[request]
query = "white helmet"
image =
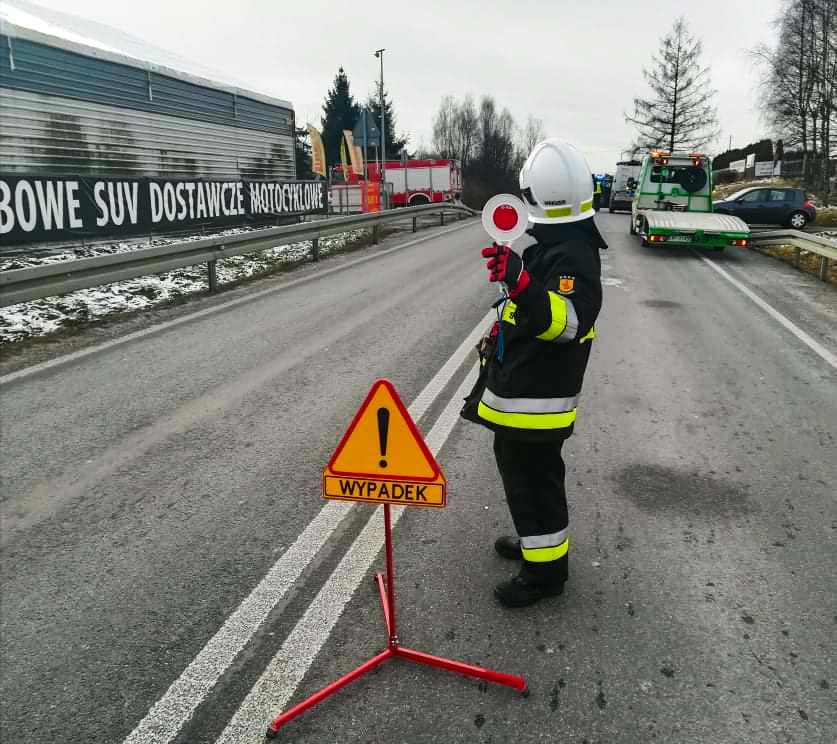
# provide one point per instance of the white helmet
(556, 183)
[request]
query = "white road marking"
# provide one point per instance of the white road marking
(177, 705)
(812, 344)
(36, 369)
(285, 671)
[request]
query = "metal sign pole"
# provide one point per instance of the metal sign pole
(365, 148)
(411, 484)
(386, 587)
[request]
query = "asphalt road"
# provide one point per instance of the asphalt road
(170, 573)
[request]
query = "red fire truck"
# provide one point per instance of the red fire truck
(414, 182)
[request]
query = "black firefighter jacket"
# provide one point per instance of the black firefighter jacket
(530, 385)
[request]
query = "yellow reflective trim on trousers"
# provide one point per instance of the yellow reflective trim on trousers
(585, 206)
(546, 555)
(559, 212)
(558, 311)
(539, 421)
(509, 311)
(589, 337)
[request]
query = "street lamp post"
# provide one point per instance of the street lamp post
(380, 55)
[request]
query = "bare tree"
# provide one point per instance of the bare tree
(465, 131)
(443, 128)
(801, 84)
(483, 141)
(532, 133)
(679, 114)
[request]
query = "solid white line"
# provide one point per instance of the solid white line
(177, 705)
(166, 325)
(285, 671)
(814, 345)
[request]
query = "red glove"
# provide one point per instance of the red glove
(504, 265)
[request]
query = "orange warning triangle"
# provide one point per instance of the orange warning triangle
(383, 442)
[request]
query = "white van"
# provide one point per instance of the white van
(620, 195)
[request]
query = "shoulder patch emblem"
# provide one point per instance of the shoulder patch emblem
(566, 284)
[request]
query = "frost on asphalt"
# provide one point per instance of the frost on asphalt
(41, 317)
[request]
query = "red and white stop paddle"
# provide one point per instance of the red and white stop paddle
(505, 218)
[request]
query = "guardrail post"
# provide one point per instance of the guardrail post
(315, 250)
(442, 219)
(823, 268)
(797, 255)
(213, 275)
(374, 235)
(414, 224)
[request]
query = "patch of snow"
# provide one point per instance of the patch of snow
(41, 317)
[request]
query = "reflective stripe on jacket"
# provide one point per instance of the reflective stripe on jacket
(533, 392)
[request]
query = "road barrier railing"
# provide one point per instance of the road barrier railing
(23, 285)
(825, 248)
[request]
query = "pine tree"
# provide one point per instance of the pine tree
(393, 145)
(680, 114)
(340, 112)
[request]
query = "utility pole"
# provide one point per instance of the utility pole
(380, 55)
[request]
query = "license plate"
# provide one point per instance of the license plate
(680, 239)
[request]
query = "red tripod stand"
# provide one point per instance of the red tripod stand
(393, 650)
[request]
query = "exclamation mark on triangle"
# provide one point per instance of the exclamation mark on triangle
(383, 431)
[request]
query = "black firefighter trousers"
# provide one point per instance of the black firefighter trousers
(533, 479)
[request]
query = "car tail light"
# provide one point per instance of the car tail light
(807, 205)
(656, 238)
(740, 242)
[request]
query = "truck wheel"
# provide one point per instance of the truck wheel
(645, 239)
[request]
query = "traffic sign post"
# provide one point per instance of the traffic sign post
(380, 459)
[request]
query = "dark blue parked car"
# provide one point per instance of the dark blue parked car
(769, 206)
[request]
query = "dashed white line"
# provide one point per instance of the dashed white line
(811, 343)
(285, 671)
(175, 708)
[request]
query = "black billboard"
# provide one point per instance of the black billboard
(36, 209)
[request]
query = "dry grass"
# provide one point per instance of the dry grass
(827, 217)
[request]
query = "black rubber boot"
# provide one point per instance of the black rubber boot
(533, 583)
(508, 546)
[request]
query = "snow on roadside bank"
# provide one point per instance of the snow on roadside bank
(41, 317)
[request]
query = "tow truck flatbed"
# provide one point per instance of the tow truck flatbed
(673, 204)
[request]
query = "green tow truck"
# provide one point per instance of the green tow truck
(673, 204)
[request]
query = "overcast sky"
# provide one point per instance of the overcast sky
(576, 66)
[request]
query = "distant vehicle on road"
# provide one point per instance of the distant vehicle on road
(673, 204)
(411, 183)
(769, 206)
(621, 191)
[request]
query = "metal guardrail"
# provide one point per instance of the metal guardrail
(22, 285)
(826, 249)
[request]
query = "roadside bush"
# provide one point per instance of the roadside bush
(725, 175)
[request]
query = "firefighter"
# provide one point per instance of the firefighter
(597, 193)
(534, 360)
